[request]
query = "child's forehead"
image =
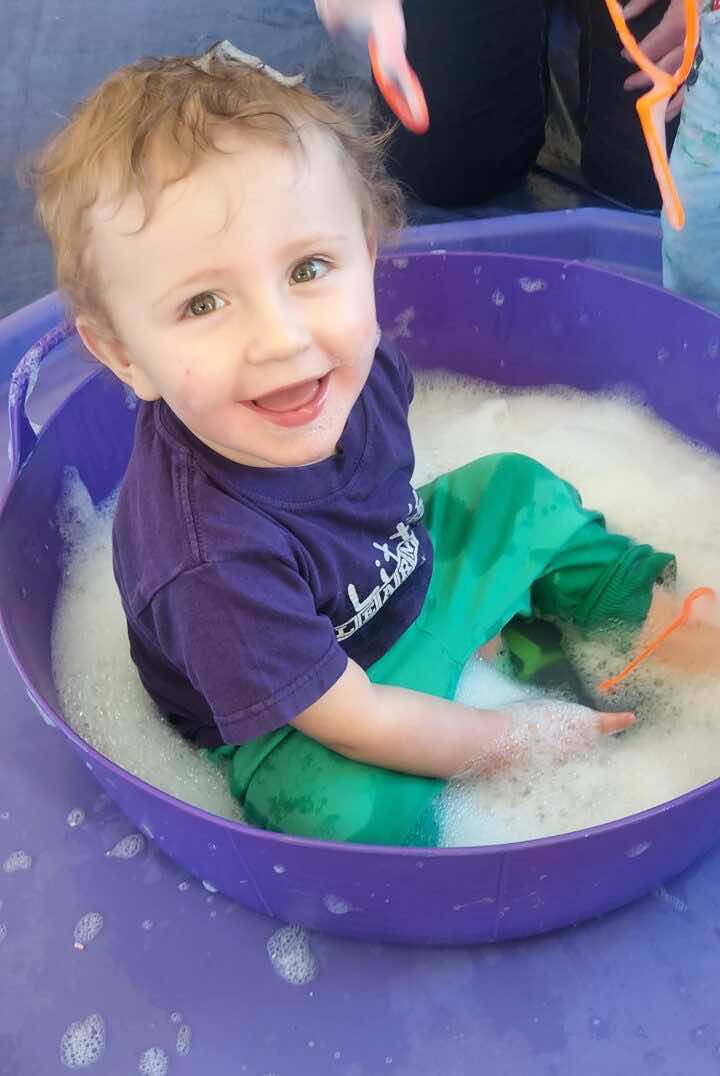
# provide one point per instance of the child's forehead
(241, 176)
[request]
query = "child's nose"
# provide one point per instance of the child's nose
(276, 334)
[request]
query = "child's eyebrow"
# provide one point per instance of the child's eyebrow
(307, 244)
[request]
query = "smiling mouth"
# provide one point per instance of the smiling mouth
(293, 406)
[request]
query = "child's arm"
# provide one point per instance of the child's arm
(405, 730)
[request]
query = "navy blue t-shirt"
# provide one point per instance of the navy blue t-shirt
(246, 589)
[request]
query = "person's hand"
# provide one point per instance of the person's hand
(663, 45)
(381, 18)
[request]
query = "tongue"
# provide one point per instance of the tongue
(289, 399)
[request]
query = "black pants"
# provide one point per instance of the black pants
(483, 66)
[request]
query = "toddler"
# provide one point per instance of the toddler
(294, 605)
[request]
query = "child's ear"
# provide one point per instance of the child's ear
(111, 352)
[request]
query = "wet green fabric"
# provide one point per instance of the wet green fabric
(511, 539)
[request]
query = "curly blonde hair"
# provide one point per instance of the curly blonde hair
(149, 123)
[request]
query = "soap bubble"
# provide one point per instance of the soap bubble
(183, 1040)
(291, 956)
(83, 1043)
(17, 861)
(128, 847)
(154, 1062)
(76, 817)
(87, 928)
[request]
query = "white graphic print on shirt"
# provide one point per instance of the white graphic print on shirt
(405, 558)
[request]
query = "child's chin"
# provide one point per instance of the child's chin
(317, 445)
(311, 454)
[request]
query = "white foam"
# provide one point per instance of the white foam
(3, 932)
(154, 1062)
(83, 1043)
(87, 928)
(128, 847)
(183, 1040)
(291, 955)
(99, 688)
(17, 861)
(76, 817)
(336, 905)
(530, 285)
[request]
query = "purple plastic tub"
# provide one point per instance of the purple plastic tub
(516, 320)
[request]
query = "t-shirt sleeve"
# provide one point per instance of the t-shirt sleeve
(247, 635)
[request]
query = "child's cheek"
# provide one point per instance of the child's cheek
(355, 327)
(199, 394)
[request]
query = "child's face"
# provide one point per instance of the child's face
(247, 302)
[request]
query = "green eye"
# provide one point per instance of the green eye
(205, 303)
(307, 271)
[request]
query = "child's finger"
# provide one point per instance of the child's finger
(615, 722)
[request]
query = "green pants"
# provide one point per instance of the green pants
(510, 539)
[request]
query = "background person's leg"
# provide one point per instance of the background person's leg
(615, 160)
(691, 257)
(483, 69)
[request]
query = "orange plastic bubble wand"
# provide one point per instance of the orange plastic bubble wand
(651, 107)
(682, 618)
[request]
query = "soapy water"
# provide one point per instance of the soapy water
(17, 861)
(648, 482)
(83, 1043)
(183, 1040)
(100, 690)
(76, 817)
(87, 929)
(154, 1062)
(127, 847)
(291, 955)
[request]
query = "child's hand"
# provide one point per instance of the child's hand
(553, 730)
